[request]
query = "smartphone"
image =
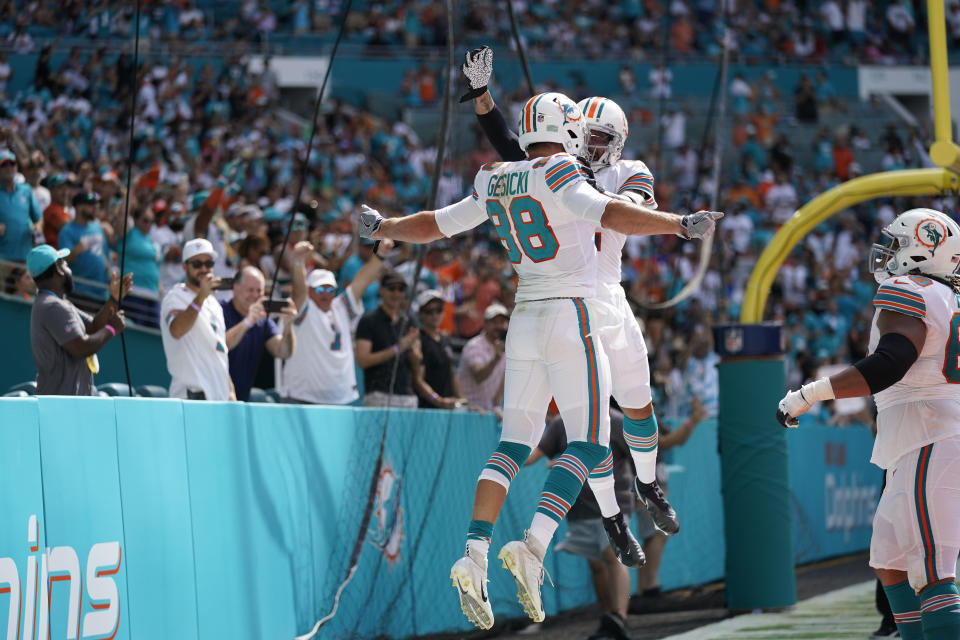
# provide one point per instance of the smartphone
(274, 306)
(224, 284)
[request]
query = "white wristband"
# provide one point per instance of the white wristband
(817, 391)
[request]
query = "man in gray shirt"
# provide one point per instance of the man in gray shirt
(64, 339)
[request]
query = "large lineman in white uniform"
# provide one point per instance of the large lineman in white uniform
(913, 373)
(546, 215)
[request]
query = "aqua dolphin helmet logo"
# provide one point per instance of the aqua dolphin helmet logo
(931, 234)
(571, 112)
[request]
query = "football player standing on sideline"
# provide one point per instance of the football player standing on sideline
(622, 338)
(912, 371)
(546, 215)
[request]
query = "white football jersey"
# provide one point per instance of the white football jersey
(625, 175)
(197, 360)
(546, 216)
(321, 369)
(935, 376)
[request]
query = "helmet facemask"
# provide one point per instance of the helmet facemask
(883, 258)
(602, 145)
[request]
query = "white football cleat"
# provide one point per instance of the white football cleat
(470, 579)
(520, 558)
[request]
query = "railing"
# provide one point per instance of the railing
(140, 306)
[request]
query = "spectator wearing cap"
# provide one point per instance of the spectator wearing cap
(20, 214)
(203, 225)
(322, 370)
(64, 339)
(250, 330)
(194, 332)
(143, 258)
(434, 377)
(482, 362)
(59, 212)
(353, 264)
(89, 254)
(384, 337)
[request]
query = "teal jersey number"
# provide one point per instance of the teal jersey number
(529, 224)
(498, 216)
(951, 359)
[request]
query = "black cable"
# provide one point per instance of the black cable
(123, 254)
(520, 49)
(404, 321)
(126, 196)
(306, 158)
(708, 128)
(432, 199)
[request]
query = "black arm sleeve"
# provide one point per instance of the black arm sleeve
(503, 139)
(895, 354)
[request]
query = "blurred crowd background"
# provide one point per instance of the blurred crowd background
(218, 136)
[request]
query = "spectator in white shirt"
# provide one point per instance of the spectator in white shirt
(194, 332)
(674, 124)
(781, 199)
(833, 15)
(660, 80)
(322, 369)
(482, 365)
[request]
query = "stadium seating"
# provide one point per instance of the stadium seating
(29, 388)
(151, 391)
(259, 395)
(114, 389)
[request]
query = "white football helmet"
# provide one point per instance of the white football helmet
(603, 115)
(922, 241)
(553, 117)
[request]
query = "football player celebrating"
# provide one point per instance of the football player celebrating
(913, 372)
(622, 338)
(546, 215)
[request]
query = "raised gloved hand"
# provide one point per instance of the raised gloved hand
(700, 224)
(477, 67)
(796, 403)
(369, 222)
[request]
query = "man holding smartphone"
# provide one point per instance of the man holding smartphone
(250, 330)
(194, 332)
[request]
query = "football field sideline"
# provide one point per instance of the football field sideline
(849, 612)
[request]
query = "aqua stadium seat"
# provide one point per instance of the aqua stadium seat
(29, 388)
(151, 391)
(259, 395)
(114, 389)
(19, 393)
(273, 395)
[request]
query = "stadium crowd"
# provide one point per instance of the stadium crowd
(848, 31)
(212, 149)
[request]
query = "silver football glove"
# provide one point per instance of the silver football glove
(369, 222)
(477, 68)
(700, 224)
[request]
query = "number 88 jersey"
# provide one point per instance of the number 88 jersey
(546, 216)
